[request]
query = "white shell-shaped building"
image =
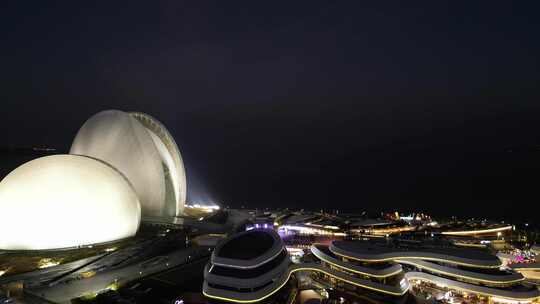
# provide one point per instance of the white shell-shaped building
(142, 149)
(64, 201)
(121, 167)
(175, 177)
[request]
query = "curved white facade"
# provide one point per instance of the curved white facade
(172, 159)
(140, 148)
(64, 201)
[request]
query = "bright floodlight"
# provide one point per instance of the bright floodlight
(64, 201)
(141, 148)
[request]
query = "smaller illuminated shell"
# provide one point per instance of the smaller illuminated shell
(63, 201)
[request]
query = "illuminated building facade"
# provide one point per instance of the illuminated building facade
(382, 281)
(64, 201)
(369, 227)
(121, 167)
(380, 271)
(446, 274)
(253, 266)
(142, 149)
(530, 271)
(248, 267)
(489, 231)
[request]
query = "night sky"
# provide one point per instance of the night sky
(345, 105)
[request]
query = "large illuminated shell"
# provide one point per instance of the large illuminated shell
(142, 149)
(172, 161)
(64, 201)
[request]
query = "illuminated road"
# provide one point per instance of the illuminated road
(45, 274)
(64, 291)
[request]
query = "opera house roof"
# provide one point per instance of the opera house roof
(64, 201)
(121, 167)
(142, 149)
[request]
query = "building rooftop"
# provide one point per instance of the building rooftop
(380, 251)
(247, 246)
(248, 250)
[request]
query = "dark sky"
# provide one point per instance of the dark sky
(338, 105)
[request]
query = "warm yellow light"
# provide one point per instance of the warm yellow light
(412, 278)
(432, 269)
(508, 301)
(88, 274)
(113, 286)
(470, 232)
(354, 270)
(294, 269)
(418, 258)
(47, 262)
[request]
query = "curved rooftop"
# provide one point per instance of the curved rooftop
(142, 149)
(368, 252)
(503, 278)
(276, 285)
(247, 278)
(172, 159)
(63, 201)
(249, 249)
(368, 222)
(528, 266)
(324, 254)
(476, 230)
(247, 267)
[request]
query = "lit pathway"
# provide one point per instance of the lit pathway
(64, 292)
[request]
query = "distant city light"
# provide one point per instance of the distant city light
(284, 229)
(471, 232)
